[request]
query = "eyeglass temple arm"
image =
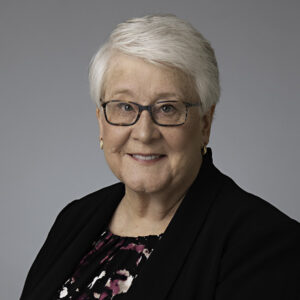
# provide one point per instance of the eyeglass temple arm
(193, 104)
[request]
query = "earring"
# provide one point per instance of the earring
(101, 143)
(204, 150)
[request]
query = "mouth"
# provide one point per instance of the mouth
(147, 157)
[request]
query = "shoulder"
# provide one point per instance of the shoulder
(246, 217)
(92, 200)
(68, 225)
(78, 212)
(243, 207)
(259, 241)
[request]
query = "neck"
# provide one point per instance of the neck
(137, 215)
(141, 213)
(151, 207)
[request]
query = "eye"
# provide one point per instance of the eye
(125, 106)
(167, 108)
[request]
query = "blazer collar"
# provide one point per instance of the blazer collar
(187, 222)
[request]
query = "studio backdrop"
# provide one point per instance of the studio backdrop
(49, 133)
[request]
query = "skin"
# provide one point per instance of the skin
(153, 189)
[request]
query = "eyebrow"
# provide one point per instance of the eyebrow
(158, 96)
(167, 95)
(122, 91)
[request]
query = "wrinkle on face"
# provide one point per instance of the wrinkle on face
(130, 78)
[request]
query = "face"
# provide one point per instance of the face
(146, 157)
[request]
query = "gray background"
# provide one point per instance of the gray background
(49, 133)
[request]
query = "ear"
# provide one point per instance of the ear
(206, 124)
(100, 121)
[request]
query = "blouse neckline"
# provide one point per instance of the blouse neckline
(140, 237)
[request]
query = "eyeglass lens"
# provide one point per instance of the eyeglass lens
(164, 112)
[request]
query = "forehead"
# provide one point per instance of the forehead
(136, 77)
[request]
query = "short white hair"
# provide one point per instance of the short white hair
(163, 40)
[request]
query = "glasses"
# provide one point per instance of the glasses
(163, 113)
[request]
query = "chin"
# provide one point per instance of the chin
(145, 186)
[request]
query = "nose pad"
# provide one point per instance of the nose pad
(145, 119)
(146, 108)
(148, 113)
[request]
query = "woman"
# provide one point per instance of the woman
(174, 227)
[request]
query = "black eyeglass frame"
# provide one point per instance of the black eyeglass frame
(149, 109)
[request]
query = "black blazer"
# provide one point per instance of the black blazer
(222, 243)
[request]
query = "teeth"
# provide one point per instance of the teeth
(145, 157)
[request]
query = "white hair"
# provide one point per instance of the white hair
(163, 40)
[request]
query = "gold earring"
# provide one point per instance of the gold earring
(101, 143)
(204, 150)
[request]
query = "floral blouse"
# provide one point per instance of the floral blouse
(109, 268)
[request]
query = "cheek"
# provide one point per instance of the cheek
(114, 138)
(185, 140)
(177, 143)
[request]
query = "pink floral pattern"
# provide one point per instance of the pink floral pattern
(109, 268)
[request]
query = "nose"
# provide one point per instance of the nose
(145, 130)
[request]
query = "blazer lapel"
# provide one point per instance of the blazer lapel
(88, 228)
(163, 266)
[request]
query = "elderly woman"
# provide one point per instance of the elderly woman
(174, 227)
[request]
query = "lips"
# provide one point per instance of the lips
(147, 157)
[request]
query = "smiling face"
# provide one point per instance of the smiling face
(146, 157)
